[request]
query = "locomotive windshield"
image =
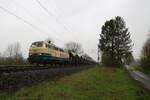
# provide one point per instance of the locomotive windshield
(37, 44)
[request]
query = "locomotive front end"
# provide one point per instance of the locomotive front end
(36, 52)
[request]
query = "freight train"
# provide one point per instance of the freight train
(42, 52)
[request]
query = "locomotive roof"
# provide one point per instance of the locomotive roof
(51, 44)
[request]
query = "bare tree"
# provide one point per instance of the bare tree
(1, 55)
(145, 57)
(13, 50)
(1, 59)
(13, 54)
(17, 49)
(74, 47)
(98, 53)
(146, 48)
(9, 51)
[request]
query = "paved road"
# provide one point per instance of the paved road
(141, 78)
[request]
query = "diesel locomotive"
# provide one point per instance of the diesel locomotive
(42, 52)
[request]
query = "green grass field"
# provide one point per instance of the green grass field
(98, 83)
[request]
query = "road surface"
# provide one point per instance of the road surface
(141, 78)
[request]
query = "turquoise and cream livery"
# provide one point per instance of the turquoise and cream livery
(42, 52)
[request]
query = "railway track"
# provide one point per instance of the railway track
(19, 68)
(22, 68)
(14, 77)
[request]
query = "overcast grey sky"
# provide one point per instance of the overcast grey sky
(70, 20)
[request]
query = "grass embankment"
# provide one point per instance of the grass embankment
(146, 71)
(93, 84)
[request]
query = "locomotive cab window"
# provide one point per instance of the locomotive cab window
(37, 44)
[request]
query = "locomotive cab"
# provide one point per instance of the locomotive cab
(38, 48)
(36, 52)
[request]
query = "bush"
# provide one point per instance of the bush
(107, 60)
(145, 63)
(13, 61)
